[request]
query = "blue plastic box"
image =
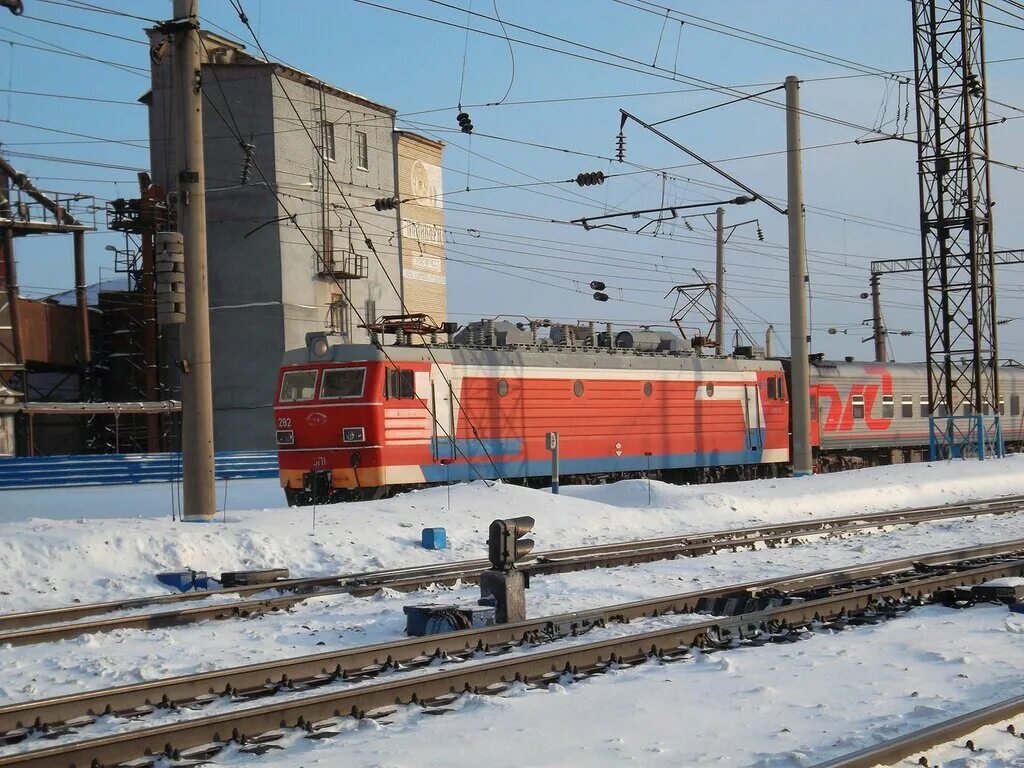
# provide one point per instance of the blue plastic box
(184, 580)
(434, 538)
(1017, 607)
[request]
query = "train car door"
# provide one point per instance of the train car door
(752, 416)
(443, 416)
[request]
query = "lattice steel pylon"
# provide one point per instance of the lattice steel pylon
(956, 228)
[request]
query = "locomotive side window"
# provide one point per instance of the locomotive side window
(400, 385)
(907, 406)
(298, 385)
(858, 406)
(887, 406)
(342, 382)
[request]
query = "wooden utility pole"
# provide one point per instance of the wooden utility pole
(197, 391)
(800, 397)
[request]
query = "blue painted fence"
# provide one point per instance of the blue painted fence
(113, 469)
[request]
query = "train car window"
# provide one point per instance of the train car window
(985, 408)
(297, 385)
(887, 406)
(1015, 405)
(924, 406)
(400, 385)
(940, 409)
(1002, 406)
(814, 407)
(502, 387)
(648, 388)
(342, 382)
(968, 409)
(907, 406)
(772, 389)
(577, 388)
(858, 406)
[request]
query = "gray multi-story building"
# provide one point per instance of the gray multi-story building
(293, 168)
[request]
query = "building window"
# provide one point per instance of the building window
(371, 311)
(362, 152)
(887, 406)
(327, 132)
(338, 316)
(400, 385)
(907, 406)
(858, 406)
(924, 406)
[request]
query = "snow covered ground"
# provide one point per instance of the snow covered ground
(104, 543)
(779, 706)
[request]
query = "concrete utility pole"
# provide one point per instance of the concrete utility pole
(800, 397)
(197, 392)
(877, 329)
(720, 282)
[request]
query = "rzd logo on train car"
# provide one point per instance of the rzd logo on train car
(840, 416)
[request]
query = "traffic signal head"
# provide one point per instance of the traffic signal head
(504, 545)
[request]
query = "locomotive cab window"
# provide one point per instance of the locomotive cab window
(858, 406)
(887, 406)
(772, 389)
(342, 382)
(298, 385)
(907, 406)
(400, 385)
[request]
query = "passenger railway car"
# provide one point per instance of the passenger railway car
(362, 421)
(357, 421)
(877, 413)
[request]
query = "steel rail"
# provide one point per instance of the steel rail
(40, 626)
(894, 750)
(207, 735)
(265, 678)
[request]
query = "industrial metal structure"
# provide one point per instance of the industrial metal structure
(956, 225)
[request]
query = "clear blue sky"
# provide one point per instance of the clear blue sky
(862, 199)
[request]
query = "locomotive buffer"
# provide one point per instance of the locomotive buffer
(503, 582)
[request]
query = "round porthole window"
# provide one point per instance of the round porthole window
(709, 389)
(502, 387)
(577, 388)
(648, 389)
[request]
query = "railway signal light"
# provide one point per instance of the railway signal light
(465, 124)
(590, 179)
(385, 203)
(504, 545)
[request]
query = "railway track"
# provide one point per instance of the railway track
(62, 623)
(918, 742)
(341, 683)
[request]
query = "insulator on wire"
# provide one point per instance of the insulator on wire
(974, 85)
(620, 147)
(248, 152)
(760, 233)
(596, 285)
(465, 124)
(385, 203)
(688, 225)
(590, 179)
(599, 296)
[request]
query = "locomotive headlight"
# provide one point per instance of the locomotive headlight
(320, 347)
(285, 437)
(353, 435)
